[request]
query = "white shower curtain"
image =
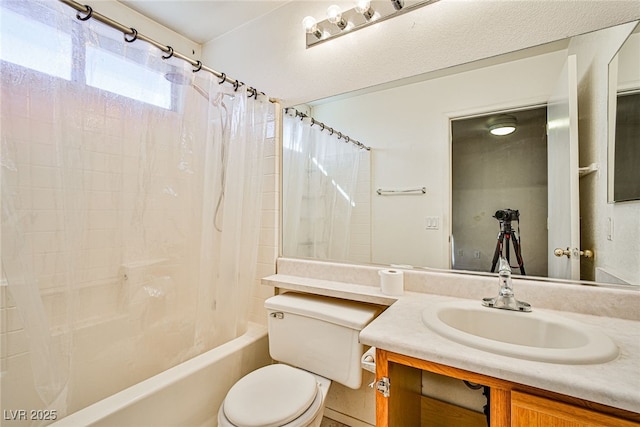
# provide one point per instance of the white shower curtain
(131, 206)
(320, 175)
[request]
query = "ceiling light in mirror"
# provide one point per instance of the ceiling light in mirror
(502, 125)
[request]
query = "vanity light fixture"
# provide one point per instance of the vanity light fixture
(502, 125)
(363, 14)
(334, 15)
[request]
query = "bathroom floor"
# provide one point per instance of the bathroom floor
(327, 422)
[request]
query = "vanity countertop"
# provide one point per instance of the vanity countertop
(617, 383)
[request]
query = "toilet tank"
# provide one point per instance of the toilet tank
(319, 334)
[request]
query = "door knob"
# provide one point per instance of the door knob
(586, 253)
(562, 252)
(567, 252)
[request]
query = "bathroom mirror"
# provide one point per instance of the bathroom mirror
(408, 125)
(624, 121)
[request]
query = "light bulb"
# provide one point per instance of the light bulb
(310, 26)
(334, 15)
(364, 7)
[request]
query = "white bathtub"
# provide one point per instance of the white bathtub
(184, 396)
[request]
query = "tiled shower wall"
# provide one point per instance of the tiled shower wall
(269, 227)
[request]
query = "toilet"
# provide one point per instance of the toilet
(315, 340)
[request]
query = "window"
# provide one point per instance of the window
(107, 71)
(35, 45)
(31, 43)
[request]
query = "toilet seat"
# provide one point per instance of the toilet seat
(273, 396)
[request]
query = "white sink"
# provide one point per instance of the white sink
(539, 336)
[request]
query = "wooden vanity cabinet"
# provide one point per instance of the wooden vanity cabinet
(511, 404)
(534, 411)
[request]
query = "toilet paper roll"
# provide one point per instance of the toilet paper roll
(368, 360)
(391, 282)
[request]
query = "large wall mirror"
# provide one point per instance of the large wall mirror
(428, 191)
(624, 121)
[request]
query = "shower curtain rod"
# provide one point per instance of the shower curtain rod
(323, 127)
(134, 35)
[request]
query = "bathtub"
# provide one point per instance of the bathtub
(187, 395)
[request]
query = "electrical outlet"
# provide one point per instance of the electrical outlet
(476, 254)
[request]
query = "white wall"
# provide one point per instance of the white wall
(129, 17)
(269, 53)
(408, 130)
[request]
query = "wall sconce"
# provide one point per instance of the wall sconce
(502, 125)
(364, 13)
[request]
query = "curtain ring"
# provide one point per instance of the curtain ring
(224, 79)
(87, 16)
(198, 67)
(254, 92)
(339, 135)
(170, 53)
(347, 139)
(134, 33)
(322, 126)
(331, 130)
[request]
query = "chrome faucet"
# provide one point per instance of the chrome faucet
(505, 299)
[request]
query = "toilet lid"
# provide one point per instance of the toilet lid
(270, 396)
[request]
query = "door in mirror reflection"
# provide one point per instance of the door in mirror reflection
(499, 192)
(564, 203)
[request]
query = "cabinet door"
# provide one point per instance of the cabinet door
(534, 411)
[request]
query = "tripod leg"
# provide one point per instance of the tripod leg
(516, 250)
(498, 251)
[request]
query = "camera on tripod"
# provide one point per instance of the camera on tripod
(507, 215)
(507, 234)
